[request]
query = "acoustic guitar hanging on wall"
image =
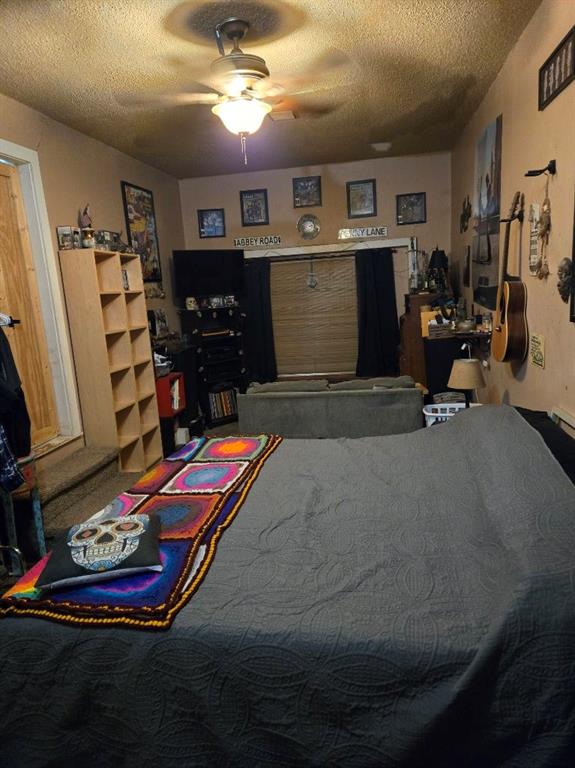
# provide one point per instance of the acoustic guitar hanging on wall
(509, 338)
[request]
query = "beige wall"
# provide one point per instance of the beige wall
(422, 173)
(530, 139)
(77, 170)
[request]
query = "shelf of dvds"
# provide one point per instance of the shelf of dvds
(221, 372)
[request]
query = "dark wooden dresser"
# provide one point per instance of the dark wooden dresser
(411, 351)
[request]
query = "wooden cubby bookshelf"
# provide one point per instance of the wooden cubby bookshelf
(108, 324)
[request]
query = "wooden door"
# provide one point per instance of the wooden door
(19, 297)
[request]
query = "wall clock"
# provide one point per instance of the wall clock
(308, 226)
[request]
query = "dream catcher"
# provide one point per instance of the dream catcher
(544, 228)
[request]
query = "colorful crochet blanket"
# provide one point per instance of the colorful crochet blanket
(196, 492)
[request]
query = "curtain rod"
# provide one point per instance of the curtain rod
(305, 250)
(312, 257)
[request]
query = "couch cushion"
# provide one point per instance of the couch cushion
(309, 385)
(389, 382)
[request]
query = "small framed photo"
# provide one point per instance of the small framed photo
(306, 191)
(410, 209)
(216, 302)
(211, 222)
(229, 301)
(558, 71)
(76, 237)
(254, 206)
(361, 199)
(65, 241)
(204, 303)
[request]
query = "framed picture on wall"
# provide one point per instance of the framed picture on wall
(306, 191)
(410, 208)
(254, 207)
(211, 222)
(361, 199)
(558, 71)
(142, 230)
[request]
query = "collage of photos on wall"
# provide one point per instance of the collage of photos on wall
(361, 196)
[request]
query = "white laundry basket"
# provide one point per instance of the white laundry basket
(437, 413)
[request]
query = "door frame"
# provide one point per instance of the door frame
(51, 297)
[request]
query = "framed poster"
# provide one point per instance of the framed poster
(361, 199)
(485, 215)
(211, 222)
(410, 208)
(306, 191)
(558, 71)
(142, 230)
(254, 206)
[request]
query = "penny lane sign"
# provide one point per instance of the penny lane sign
(349, 234)
(254, 242)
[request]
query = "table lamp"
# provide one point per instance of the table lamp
(466, 375)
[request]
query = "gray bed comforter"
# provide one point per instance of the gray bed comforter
(396, 601)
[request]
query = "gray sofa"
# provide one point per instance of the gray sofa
(310, 409)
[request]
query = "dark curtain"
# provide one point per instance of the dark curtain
(13, 412)
(378, 329)
(259, 335)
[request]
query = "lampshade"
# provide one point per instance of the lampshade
(243, 115)
(466, 374)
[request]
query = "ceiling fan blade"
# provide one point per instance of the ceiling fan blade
(269, 89)
(329, 61)
(307, 82)
(149, 100)
(305, 111)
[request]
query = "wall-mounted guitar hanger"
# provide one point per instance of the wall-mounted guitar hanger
(550, 168)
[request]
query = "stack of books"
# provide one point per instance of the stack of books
(223, 404)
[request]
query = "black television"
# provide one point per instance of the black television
(208, 273)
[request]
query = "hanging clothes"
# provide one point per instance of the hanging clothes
(14, 416)
(10, 476)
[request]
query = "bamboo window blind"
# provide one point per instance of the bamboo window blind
(315, 329)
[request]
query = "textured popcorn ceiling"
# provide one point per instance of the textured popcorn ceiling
(418, 70)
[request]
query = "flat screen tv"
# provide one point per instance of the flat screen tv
(208, 273)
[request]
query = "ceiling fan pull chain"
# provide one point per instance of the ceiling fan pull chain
(243, 139)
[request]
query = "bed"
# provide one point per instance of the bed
(394, 601)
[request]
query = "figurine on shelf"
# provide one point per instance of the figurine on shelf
(85, 220)
(437, 271)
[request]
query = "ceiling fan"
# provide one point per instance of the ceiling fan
(242, 92)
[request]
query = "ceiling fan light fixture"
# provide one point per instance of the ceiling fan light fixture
(242, 115)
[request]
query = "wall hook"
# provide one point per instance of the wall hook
(550, 168)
